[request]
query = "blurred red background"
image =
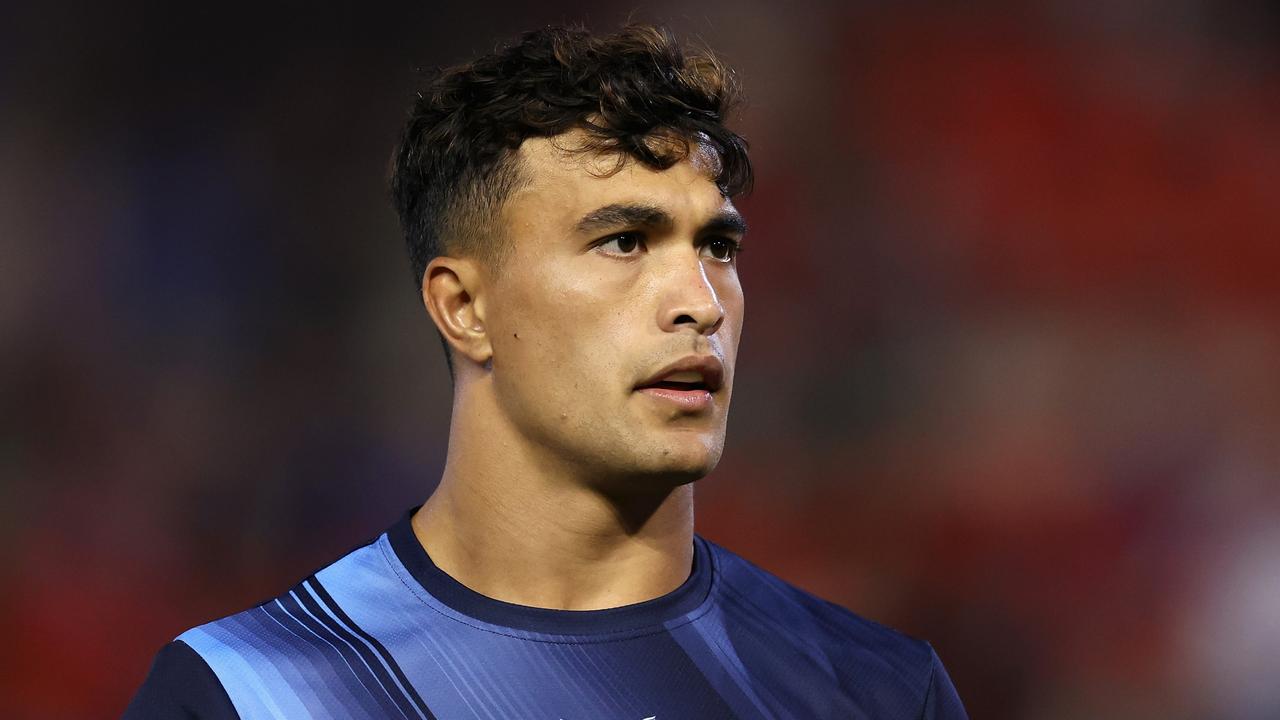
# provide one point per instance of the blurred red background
(1010, 378)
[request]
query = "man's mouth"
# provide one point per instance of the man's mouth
(690, 382)
(687, 397)
(670, 384)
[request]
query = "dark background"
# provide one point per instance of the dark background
(1010, 378)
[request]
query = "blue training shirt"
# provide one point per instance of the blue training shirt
(384, 633)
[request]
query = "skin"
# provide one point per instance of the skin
(564, 486)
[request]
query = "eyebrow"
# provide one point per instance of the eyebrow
(641, 215)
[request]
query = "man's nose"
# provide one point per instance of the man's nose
(690, 300)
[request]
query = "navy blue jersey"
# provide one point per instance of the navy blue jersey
(384, 633)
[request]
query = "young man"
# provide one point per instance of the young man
(567, 207)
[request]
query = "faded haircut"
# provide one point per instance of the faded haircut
(638, 94)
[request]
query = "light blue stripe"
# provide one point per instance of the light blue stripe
(337, 652)
(710, 630)
(247, 690)
(372, 649)
(572, 655)
(450, 652)
(546, 669)
(266, 658)
(277, 651)
(321, 669)
(391, 698)
(382, 602)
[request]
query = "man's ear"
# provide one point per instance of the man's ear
(453, 291)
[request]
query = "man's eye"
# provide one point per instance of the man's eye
(623, 243)
(724, 249)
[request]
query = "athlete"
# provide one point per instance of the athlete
(567, 203)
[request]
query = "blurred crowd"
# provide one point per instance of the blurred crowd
(1010, 376)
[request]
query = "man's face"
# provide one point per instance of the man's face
(612, 279)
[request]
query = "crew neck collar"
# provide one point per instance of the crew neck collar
(627, 618)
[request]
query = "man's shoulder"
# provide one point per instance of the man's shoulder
(822, 651)
(304, 620)
(307, 604)
(756, 596)
(316, 645)
(258, 657)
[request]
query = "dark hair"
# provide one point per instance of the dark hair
(638, 93)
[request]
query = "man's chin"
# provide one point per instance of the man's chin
(681, 464)
(662, 469)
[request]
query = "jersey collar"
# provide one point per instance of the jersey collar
(627, 618)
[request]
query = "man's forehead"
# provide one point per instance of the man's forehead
(562, 171)
(574, 152)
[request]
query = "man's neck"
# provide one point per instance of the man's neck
(567, 551)
(506, 527)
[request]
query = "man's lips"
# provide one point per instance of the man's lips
(703, 373)
(689, 382)
(691, 400)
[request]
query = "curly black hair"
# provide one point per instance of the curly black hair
(637, 93)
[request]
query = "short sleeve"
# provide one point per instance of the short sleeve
(180, 685)
(941, 701)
